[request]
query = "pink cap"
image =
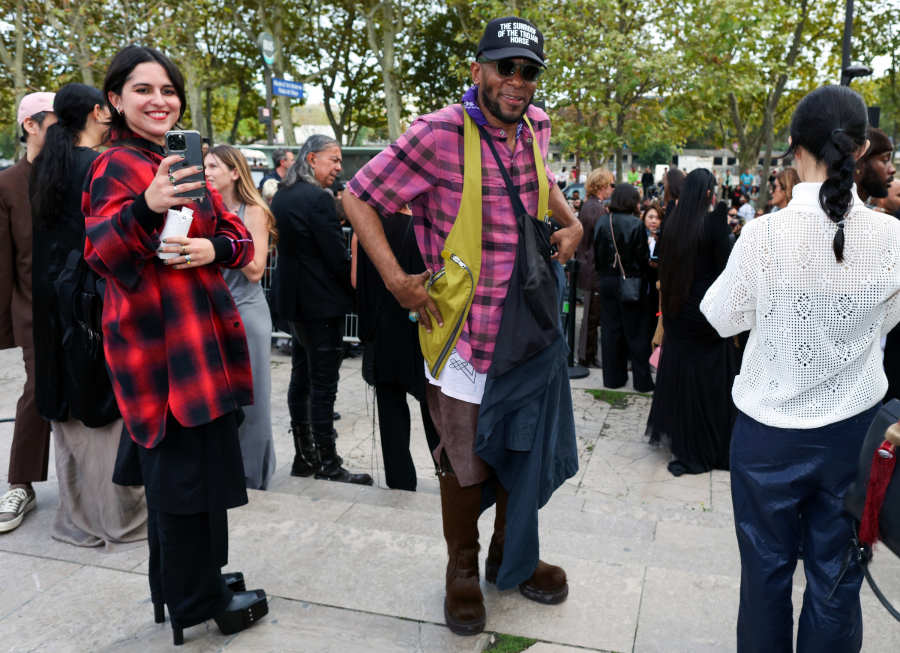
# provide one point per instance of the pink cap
(35, 103)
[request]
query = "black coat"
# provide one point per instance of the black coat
(631, 239)
(382, 321)
(312, 279)
(69, 381)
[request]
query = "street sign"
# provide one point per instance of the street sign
(267, 48)
(287, 88)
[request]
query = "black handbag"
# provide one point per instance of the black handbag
(629, 290)
(531, 307)
(855, 501)
(81, 291)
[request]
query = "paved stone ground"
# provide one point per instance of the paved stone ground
(652, 559)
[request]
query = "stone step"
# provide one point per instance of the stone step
(565, 503)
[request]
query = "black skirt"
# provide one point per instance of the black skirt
(193, 470)
(692, 407)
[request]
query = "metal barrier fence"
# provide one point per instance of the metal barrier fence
(351, 321)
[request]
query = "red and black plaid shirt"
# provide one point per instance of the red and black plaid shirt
(174, 340)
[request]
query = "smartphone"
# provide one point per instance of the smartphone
(190, 145)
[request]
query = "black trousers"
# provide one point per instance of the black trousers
(316, 353)
(787, 487)
(590, 322)
(394, 424)
(186, 565)
(621, 337)
(191, 479)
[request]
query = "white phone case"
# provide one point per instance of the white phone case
(178, 223)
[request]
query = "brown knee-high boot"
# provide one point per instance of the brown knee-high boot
(460, 506)
(548, 582)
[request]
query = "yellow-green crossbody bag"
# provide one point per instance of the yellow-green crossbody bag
(452, 288)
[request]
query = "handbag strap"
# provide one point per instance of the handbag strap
(618, 258)
(543, 189)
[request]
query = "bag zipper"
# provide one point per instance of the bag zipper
(452, 339)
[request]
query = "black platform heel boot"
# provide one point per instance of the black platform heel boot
(330, 464)
(305, 461)
(234, 581)
(245, 609)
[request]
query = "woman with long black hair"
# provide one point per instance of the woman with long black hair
(73, 389)
(817, 284)
(174, 344)
(692, 404)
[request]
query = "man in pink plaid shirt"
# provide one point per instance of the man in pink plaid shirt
(424, 168)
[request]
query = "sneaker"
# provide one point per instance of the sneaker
(13, 506)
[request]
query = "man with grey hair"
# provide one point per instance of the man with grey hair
(283, 160)
(312, 290)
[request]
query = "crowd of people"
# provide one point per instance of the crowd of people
(148, 355)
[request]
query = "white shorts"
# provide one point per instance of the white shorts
(459, 380)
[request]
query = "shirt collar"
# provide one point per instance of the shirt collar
(807, 195)
(470, 104)
(128, 137)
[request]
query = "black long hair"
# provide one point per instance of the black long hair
(683, 239)
(51, 169)
(120, 69)
(830, 123)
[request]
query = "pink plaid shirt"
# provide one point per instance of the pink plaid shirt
(424, 168)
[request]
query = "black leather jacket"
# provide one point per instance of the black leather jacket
(631, 239)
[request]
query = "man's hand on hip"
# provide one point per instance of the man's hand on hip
(409, 290)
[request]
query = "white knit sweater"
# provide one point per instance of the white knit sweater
(813, 357)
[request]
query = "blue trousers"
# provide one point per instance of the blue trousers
(787, 486)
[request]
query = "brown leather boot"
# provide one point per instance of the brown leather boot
(464, 605)
(548, 582)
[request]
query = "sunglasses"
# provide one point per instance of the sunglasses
(507, 68)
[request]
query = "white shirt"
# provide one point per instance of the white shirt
(747, 212)
(814, 355)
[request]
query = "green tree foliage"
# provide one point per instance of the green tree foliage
(439, 56)
(609, 75)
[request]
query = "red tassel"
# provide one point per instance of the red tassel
(883, 463)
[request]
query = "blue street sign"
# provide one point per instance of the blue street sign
(284, 87)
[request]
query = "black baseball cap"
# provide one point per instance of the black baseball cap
(512, 38)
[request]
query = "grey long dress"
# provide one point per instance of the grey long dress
(257, 446)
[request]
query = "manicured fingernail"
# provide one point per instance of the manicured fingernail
(165, 240)
(199, 167)
(182, 156)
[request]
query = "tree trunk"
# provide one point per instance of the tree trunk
(620, 149)
(595, 160)
(769, 129)
(237, 117)
(392, 103)
(385, 55)
(209, 127)
(284, 103)
(14, 62)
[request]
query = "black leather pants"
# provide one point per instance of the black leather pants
(316, 353)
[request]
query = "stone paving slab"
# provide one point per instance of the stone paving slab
(652, 559)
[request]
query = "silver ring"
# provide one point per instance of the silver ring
(187, 259)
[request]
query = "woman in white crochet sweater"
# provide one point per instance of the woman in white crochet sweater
(817, 285)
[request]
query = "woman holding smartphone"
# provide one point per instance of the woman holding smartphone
(174, 343)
